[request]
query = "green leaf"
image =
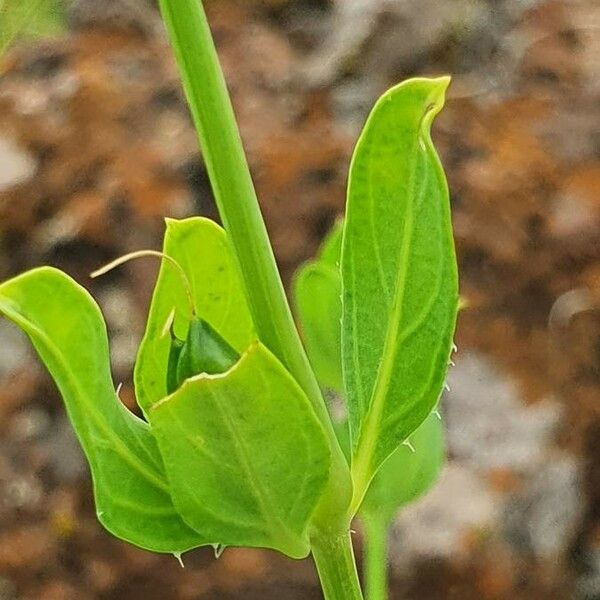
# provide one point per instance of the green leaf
(201, 248)
(400, 288)
(246, 457)
(330, 251)
(408, 473)
(204, 351)
(67, 330)
(317, 290)
(31, 18)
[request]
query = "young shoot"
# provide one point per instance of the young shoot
(237, 446)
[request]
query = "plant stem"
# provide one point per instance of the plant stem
(336, 566)
(231, 182)
(221, 145)
(375, 557)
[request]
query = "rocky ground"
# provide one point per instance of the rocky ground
(96, 147)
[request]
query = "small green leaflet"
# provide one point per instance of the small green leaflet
(202, 250)
(317, 291)
(399, 274)
(246, 456)
(408, 473)
(67, 330)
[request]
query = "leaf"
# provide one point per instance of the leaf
(330, 251)
(407, 474)
(67, 330)
(31, 18)
(246, 457)
(204, 351)
(400, 288)
(317, 289)
(201, 248)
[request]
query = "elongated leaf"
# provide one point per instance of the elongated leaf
(408, 473)
(68, 332)
(246, 457)
(201, 248)
(399, 274)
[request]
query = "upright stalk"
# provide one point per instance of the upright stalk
(232, 184)
(224, 156)
(375, 558)
(336, 567)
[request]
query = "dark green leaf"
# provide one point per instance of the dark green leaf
(204, 351)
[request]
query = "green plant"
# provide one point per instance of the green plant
(236, 447)
(414, 466)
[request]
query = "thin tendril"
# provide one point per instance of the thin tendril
(143, 254)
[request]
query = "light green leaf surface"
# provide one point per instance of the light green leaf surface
(31, 18)
(399, 274)
(201, 248)
(67, 330)
(330, 252)
(246, 457)
(317, 290)
(407, 474)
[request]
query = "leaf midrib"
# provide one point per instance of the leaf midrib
(368, 433)
(268, 508)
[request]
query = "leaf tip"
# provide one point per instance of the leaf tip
(436, 98)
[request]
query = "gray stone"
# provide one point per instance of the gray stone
(65, 455)
(22, 492)
(14, 348)
(543, 517)
(434, 527)
(30, 424)
(17, 166)
(588, 585)
(488, 425)
(122, 318)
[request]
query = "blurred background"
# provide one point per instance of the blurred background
(96, 147)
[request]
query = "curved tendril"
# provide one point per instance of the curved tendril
(143, 254)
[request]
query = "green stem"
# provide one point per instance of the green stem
(221, 145)
(231, 182)
(375, 558)
(336, 567)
